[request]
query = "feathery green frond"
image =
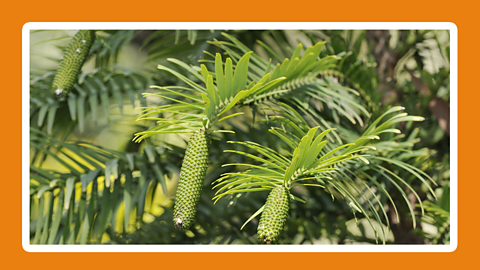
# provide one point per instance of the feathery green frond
(301, 76)
(104, 179)
(91, 94)
(304, 112)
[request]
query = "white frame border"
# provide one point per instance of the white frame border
(250, 26)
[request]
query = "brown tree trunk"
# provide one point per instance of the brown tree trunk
(403, 230)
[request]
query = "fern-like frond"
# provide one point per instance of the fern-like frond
(303, 167)
(198, 105)
(302, 73)
(337, 167)
(95, 188)
(92, 93)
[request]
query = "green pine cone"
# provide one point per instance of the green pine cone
(192, 175)
(75, 55)
(274, 215)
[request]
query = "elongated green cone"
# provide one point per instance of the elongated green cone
(192, 175)
(75, 55)
(274, 215)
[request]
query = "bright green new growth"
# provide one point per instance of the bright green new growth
(314, 162)
(192, 174)
(75, 55)
(311, 163)
(274, 215)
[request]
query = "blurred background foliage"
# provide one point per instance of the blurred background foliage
(90, 183)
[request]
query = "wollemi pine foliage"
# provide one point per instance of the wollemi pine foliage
(298, 99)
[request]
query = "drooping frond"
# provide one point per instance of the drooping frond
(373, 165)
(95, 189)
(92, 93)
(337, 167)
(305, 166)
(254, 81)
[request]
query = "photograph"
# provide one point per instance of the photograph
(240, 139)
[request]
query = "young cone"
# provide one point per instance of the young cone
(274, 215)
(75, 55)
(192, 175)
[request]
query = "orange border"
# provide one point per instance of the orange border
(304, 11)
